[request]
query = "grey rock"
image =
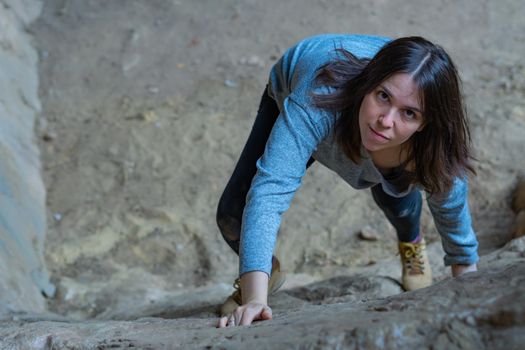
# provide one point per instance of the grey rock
(431, 318)
(368, 234)
(22, 194)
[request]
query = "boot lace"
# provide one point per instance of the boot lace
(237, 294)
(411, 254)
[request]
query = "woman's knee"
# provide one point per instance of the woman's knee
(229, 225)
(398, 207)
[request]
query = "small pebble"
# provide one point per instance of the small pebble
(470, 320)
(153, 89)
(148, 116)
(49, 136)
(44, 54)
(230, 83)
(252, 60)
(368, 234)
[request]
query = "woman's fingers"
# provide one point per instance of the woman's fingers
(267, 313)
(227, 321)
(223, 322)
(245, 315)
(237, 314)
(255, 312)
(231, 321)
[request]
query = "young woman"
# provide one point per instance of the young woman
(383, 114)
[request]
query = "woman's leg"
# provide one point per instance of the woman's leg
(232, 202)
(403, 213)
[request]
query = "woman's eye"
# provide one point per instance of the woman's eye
(410, 114)
(383, 96)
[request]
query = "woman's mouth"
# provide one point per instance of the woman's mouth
(378, 133)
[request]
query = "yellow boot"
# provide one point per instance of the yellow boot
(416, 267)
(275, 282)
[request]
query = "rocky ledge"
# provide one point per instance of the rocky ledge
(482, 310)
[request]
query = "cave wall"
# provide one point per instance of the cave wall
(23, 276)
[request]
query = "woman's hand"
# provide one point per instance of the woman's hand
(254, 286)
(458, 270)
(244, 315)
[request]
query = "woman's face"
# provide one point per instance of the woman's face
(390, 114)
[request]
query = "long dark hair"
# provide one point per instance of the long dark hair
(442, 150)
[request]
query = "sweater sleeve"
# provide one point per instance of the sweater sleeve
(294, 137)
(453, 222)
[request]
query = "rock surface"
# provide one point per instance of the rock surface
(23, 276)
(481, 310)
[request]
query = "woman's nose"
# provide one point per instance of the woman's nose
(386, 118)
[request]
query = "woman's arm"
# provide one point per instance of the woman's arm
(254, 287)
(294, 137)
(452, 218)
(458, 270)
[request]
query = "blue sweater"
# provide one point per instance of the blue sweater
(302, 131)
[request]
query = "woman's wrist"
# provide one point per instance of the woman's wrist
(458, 269)
(254, 287)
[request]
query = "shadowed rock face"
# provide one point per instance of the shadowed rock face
(482, 310)
(23, 276)
(518, 205)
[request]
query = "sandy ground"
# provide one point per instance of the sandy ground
(147, 105)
